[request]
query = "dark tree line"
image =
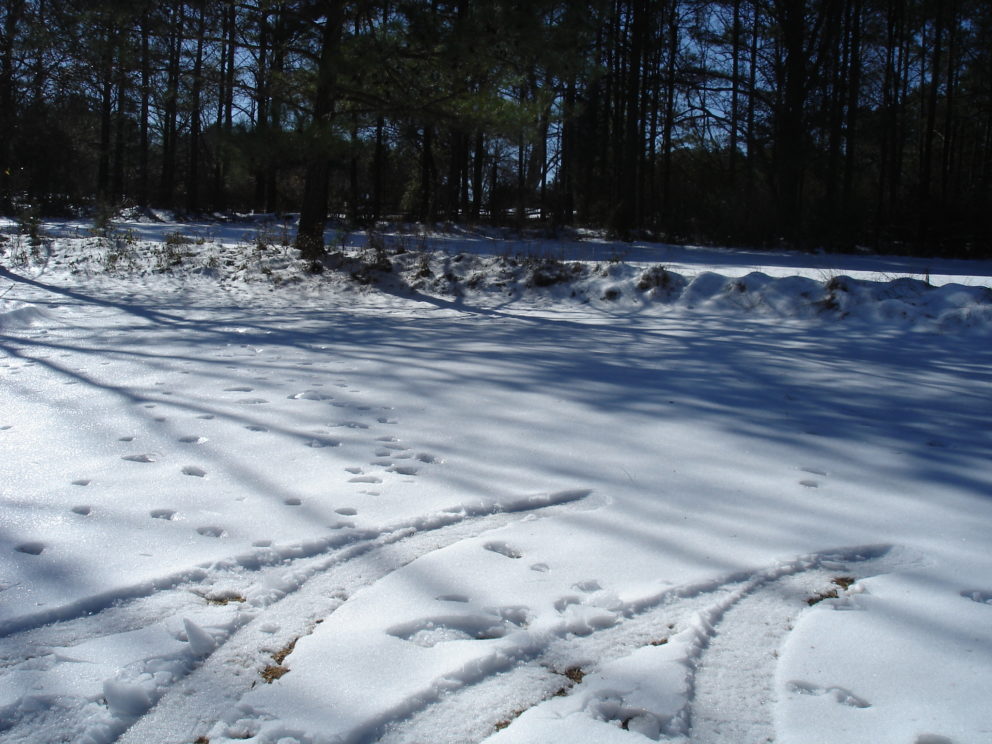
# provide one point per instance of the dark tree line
(833, 123)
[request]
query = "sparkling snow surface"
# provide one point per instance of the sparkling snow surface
(237, 505)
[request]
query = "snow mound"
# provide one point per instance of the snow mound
(14, 315)
(911, 304)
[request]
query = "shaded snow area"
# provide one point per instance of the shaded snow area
(459, 488)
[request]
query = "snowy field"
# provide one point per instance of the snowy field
(506, 491)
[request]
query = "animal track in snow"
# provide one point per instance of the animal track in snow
(212, 531)
(808, 483)
(32, 547)
(403, 469)
(193, 439)
(461, 598)
(125, 439)
(239, 389)
(82, 509)
(205, 416)
(292, 501)
(252, 401)
(932, 739)
(194, 470)
(144, 457)
(166, 514)
(814, 471)
(346, 511)
(429, 632)
(354, 470)
(311, 395)
(351, 425)
(589, 586)
(255, 427)
(81, 482)
(842, 696)
(427, 458)
(977, 595)
(318, 443)
(503, 549)
(365, 479)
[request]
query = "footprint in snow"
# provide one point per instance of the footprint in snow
(808, 483)
(144, 457)
(252, 401)
(386, 420)
(212, 531)
(310, 395)
(255, 427)
(503, 549)
(346, 511)
(977, 595)
(320, 443)
(192, 439)
(239, 389)
(540, 567)
(83, 510)
(194, 470)
(354, 470)
(365, 479)
(839, 694)
(292, 501)
(205, 416)
(452, 598)
(814, 471)
(125, 439)
(429, 632)
(32, 547)
(166, 514)
(429, 459)
(81, 482)
(589, 586)
(352, 425)
(403, 469)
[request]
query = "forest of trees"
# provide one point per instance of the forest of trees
(805, 123)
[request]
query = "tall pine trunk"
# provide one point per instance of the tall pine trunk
(313, 214)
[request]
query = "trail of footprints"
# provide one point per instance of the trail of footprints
(390, 456)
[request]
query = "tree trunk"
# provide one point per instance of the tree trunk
(8, 113)
(313, 212)
(193, 172)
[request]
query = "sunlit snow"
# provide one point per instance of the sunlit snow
(654, 492)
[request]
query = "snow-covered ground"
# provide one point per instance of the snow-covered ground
(502, 492)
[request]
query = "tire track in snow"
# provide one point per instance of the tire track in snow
(729, 633)
(278, 584)
(191, 706)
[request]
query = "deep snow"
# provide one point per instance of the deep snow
(491, 494)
